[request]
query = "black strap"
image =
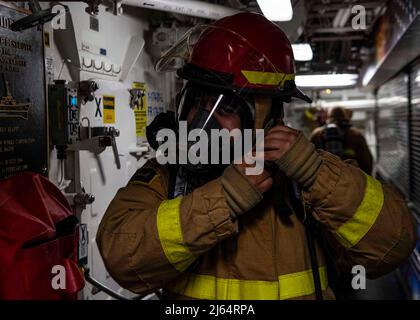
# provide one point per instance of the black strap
(310, 237)
(173, 170)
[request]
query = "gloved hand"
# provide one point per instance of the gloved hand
(243, 192)
(289, 150)
(292, 153)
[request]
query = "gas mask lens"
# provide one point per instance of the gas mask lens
(216, 119)
(207, 108)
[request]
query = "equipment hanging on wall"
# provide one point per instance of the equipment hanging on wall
(37, 18)
(45, 248)
(87, 90)
(63, 113)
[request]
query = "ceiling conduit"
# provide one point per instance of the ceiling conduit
(193, 8)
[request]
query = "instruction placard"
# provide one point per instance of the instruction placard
(23, 131)
(109, 109)
(140, 111)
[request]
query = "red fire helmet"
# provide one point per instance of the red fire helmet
(245, 52)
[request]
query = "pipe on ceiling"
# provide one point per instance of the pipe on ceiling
(193, 8)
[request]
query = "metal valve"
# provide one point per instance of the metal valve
(91, 138)
(80, 199)
(83, 199)
(113, 134)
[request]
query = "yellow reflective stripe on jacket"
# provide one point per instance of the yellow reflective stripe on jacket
(300, 284)
(267, 78)
(351, 232)
(288, 286)
(170, 234)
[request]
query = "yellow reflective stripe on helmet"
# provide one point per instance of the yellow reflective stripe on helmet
(288, 286)
(351, 232)
(170, 234)
(267, 78)
(309, 115)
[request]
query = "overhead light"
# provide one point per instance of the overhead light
(326, 80)
(354, 104)
(302, 51)
(370, 72)
(276, 10)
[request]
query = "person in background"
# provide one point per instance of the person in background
(339, 137)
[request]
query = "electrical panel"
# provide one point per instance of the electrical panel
(63, 113)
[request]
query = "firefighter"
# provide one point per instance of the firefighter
(339, 137)
(200, 233)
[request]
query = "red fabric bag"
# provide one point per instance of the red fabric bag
(37, 232)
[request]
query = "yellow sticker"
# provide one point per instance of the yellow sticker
(109, 109)
(138, 85)
(140, 112)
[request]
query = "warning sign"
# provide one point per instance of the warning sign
(109, 109)
(140, 111)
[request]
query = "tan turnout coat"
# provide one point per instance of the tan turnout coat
(191, 247)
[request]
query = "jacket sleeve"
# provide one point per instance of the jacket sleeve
(367, 218)
(146, 240)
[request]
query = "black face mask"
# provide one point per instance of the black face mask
(203, 121)
(208, 101)
(204, 99)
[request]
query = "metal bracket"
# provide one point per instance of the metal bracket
(115, 7)
(37, 18)
(80, 199)
(93, 7)
(87, 90)
(96, 139)
(104, 288)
